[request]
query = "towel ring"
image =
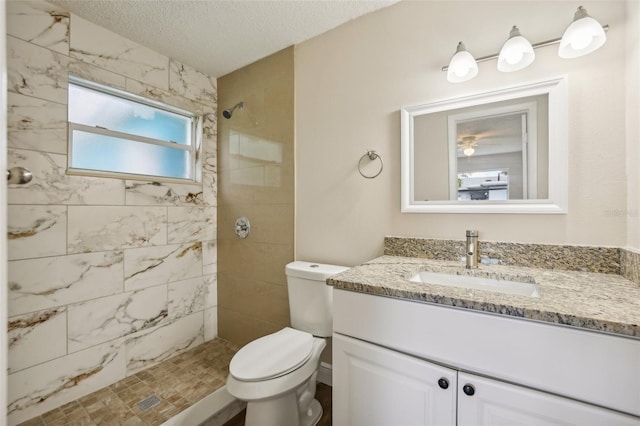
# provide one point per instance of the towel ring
(372, 155)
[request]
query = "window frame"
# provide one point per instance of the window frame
(194, 147)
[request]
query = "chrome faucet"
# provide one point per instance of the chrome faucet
(471, 248)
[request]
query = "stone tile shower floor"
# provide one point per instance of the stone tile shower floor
(178, 382)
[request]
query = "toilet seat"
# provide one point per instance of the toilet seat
(272, 356)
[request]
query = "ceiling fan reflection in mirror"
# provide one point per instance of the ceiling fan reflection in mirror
(467, 145)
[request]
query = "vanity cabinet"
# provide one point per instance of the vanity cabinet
(398, 362)
(375, 386)
(484, 401)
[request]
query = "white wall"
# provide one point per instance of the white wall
(633, 124)
(352, 81)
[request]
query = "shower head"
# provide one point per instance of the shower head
(227, 113)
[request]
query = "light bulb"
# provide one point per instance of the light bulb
(513, 57)
(461, 71)
(580, 40)
(468, 151)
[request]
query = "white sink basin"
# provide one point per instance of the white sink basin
(477, 283)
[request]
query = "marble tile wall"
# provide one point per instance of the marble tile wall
(106, 276)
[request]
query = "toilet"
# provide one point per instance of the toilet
(276, 374)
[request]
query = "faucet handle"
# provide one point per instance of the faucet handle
(472, 249)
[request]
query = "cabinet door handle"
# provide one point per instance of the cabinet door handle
(443, 383)
(468, 389)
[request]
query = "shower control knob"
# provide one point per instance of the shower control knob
(443, 383)
(242, 227)
(468, 389)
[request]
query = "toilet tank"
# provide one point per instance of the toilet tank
(310, 299)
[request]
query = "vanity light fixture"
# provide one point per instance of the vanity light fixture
(516, 53)
(583, 36)
(462, 66)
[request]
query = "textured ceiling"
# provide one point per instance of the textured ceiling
(219, 36)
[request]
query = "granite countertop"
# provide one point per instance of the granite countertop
(593, 301)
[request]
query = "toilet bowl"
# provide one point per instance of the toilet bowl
(280, 388)
(276, 374)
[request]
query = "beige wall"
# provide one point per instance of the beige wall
(255, 181)
(351, 83)
(633, 124)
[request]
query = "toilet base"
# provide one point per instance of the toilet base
(282, 411)
(313, 414)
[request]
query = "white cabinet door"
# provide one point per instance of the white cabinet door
(375, 386)
(493, 403)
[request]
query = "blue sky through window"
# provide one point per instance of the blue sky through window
(105, 153)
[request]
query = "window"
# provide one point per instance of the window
(115, 132)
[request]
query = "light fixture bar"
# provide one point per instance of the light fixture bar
(535, 46)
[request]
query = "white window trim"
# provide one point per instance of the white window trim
(194, 147)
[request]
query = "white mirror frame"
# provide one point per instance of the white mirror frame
(557, 203)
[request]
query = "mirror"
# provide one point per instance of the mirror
(503, 151)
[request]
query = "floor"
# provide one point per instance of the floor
(178, 383)
(323, 395)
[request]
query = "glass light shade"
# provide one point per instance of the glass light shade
(516, 53)
(582, 37)
(462, 67)
(468, 151)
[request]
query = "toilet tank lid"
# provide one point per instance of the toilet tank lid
(313, 271)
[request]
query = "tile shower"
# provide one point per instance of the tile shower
(252, 285)
(107, 277)
(173, 385)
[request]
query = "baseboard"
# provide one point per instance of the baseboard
(324, 374)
